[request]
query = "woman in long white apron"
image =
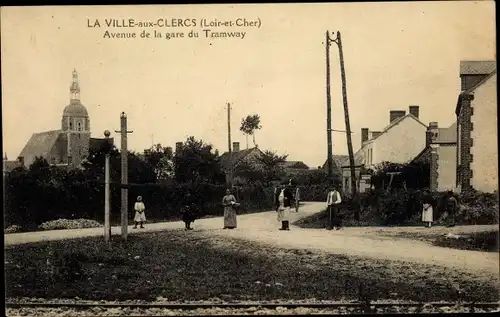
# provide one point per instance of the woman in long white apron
(285, 199)
(427, 211)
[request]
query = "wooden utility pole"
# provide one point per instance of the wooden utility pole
(328, 110)
(338, 41)
(230, 163)
(107, 226)
(346, 114)
(124, 180)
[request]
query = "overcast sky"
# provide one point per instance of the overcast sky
(396, 55)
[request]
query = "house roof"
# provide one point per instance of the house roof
(236, 157)
(40, 144)
(477, 67)
(396, 122)
(295, 164)
(472, 89)
(338, 161)
(423, 156)
(447, 135)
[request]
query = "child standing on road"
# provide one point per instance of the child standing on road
(140, 216)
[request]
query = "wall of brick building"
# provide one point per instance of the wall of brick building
(447, 165)
(465, 142)
(484, 137)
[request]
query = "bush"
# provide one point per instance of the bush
(69, 224)
(31, 202)
(12, 229)
(400, 207)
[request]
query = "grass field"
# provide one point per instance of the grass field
(181, 265)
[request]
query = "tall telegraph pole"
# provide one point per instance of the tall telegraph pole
(124, 180)
(338, 41)
(328, 110)
(230, 164)
(107, 226)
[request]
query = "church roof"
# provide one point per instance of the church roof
(39, 144)
(75, 109)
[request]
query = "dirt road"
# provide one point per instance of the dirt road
(366, 242)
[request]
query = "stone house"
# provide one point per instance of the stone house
(477, 127)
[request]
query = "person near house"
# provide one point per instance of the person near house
(285, 200)
(297, 199)
(333, 200)
(229, 203)
(427, 210)
(451, 209)
(140, 216)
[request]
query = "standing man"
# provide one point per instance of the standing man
(297, 199)
(451, 209)
(332, 201)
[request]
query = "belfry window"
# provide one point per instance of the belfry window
(79, 126)
(71, 125)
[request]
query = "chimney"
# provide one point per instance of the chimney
(364, 135)
(178, 146)
(395, 114)
(414, 110)
(432, 133)
(21, 160)
(236, 146)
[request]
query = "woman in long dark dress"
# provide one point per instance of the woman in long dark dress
(189, 211)
(229, 203)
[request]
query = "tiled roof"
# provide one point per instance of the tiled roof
(39, 145)
(338, 161)
(295, 164)
(423, 156)
(477, 67)
(236, 157)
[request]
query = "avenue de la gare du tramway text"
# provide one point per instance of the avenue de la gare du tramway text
(173, 23)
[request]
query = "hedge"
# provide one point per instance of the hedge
(400, 207)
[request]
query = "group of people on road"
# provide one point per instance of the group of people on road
(285, 200)
(449, 214)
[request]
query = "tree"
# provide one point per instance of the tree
(249, 125)
(161, 159)
(272, 165)
(194, 161)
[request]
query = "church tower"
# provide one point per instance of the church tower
(76, 126)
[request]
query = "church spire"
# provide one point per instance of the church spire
(75, 87)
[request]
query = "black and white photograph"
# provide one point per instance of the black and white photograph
(250, 159)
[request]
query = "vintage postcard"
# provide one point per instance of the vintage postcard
(306, 158)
